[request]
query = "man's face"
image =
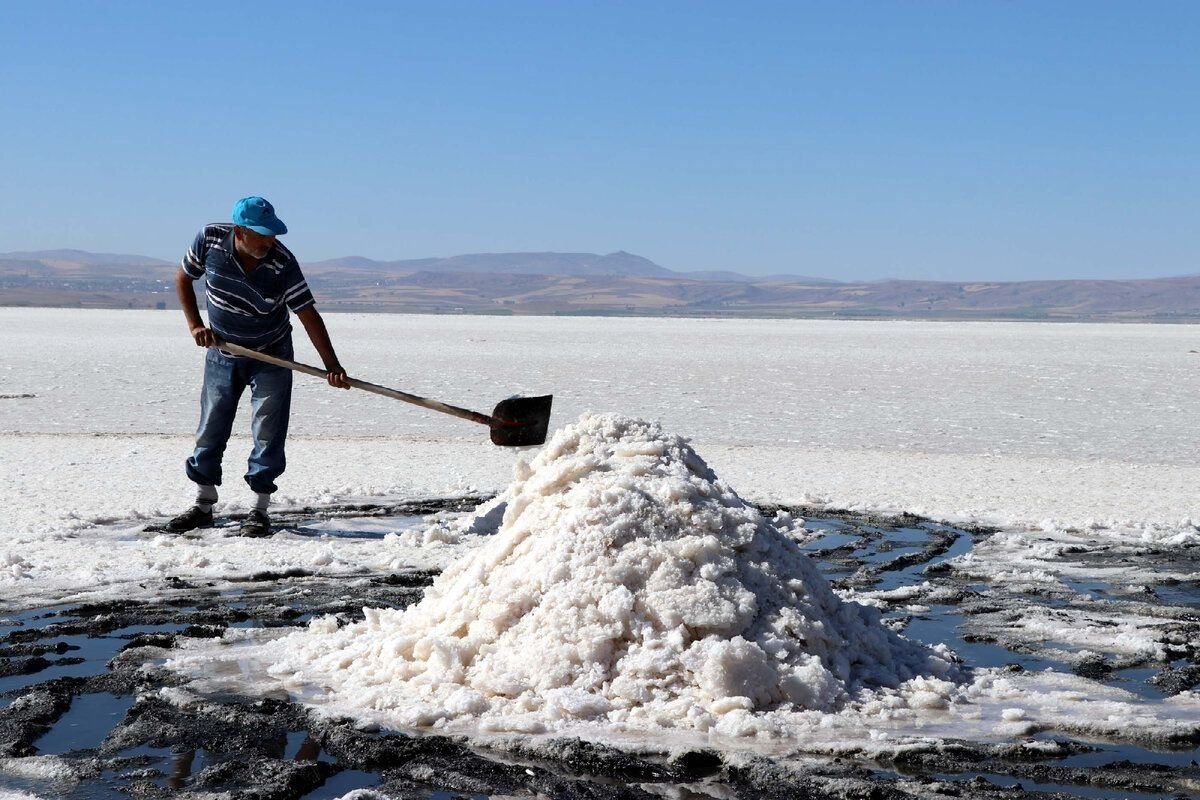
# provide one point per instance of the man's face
(253, 244)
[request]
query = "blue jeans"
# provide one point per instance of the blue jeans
(270, 402)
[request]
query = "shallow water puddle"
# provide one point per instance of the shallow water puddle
(941, 624)
(1073, 790)
(78, 655)
(1186, 593)
(1111, 754)
(302, 747)
(86, 723)
(342, 783)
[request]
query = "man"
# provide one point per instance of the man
(251, 280)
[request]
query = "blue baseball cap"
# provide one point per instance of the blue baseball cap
(258, 215)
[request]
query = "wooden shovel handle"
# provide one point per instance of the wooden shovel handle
(417, 400)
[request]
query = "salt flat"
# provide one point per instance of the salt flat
(847, 410)
(1072, 439)
(1022, 425)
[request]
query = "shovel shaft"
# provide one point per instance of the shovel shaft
(417, 400)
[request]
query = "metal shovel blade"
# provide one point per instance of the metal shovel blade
(521, 421)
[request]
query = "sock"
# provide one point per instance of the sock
(261, 501)
(206, 496)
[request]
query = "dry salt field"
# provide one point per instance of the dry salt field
(755, 558)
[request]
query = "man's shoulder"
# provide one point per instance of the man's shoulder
(210, 236)
(213, 234)
(217, 230)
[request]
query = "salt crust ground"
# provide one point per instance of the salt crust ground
(1061, 434)
(629, 593)
(1042, 429)
(69, 499)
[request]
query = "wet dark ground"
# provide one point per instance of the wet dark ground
(75, 683)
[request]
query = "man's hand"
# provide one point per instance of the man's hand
(337, 377)
(314, 326)
(203, 336)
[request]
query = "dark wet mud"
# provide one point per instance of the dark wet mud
(83, 714)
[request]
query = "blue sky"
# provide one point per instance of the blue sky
(943, 140)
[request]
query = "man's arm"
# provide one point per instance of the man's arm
(191, 311)
(314, 326)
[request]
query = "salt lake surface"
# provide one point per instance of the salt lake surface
(1044, 430)
(1005, 423)
(1072, 440)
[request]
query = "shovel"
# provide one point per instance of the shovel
(515, 422)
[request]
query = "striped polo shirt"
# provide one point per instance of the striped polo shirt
(250, 310)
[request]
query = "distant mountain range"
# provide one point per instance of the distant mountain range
(66, 259)
(577, 264)
(619, 263)
(616, 283)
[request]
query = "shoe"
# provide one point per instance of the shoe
(189, 520)
(256, 523)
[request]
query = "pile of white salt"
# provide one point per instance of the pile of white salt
(625, 584)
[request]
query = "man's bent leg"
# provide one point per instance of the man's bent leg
(270, 403)
(218, 405)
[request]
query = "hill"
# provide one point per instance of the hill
(616, 283)
(618, 263)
